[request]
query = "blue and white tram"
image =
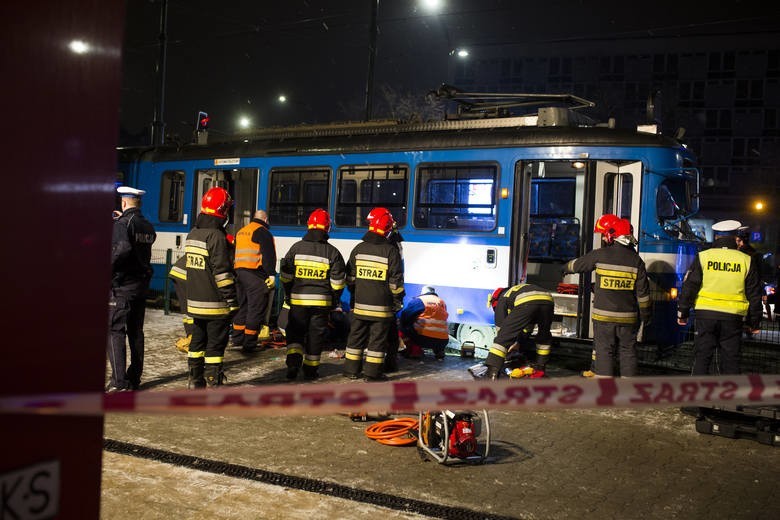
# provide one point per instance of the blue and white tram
(480, 203)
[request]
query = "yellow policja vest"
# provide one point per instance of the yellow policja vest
(723, 281)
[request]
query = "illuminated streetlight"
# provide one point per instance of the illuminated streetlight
(282, 98)
(759, 205)
(462, 53)
(79, 47)
(431, 5)
(244, 122)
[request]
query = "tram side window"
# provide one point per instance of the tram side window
(617, 193)
(171, 196)
(362, 188)
(674, 201)
(553, 231)
(456, 196)
(295, 193)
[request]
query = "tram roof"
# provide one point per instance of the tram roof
(386, 136)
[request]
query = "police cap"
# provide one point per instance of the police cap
(726, 227)
(127, 191)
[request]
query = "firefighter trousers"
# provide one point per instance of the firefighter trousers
(306, 332)
(610, 339)
(369, 337)
(518, 327)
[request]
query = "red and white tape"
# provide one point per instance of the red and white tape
(409, 396)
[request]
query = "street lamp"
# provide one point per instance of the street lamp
(244, 122)
(282, 98)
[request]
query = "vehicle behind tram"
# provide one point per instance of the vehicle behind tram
(480, 202)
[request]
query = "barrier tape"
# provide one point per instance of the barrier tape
(411, 396)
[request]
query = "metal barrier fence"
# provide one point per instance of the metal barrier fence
(760, 352)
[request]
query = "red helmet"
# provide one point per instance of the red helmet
(319, 219)
(606, 226)
(493, 298)
(380, 221)
(216, 202)
(623, 227)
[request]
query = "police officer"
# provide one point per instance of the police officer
(375, 278)
(255, 266)
(423, 323)
(131, 271)
(621, 292)
(211, 289)
(312, 274)
(723, 286)
(517, 311)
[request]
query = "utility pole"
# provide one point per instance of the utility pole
(371, 58)
(158, 126)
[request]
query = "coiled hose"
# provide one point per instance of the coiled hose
(394, 432)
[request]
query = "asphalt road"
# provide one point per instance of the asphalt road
(648, 463)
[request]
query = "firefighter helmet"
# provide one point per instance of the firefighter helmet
(319, 219)
(380, 221)
(427, 289)
(623, 227)
(216, 202)
(494, 296)
(606, 226)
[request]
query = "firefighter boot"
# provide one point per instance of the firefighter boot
(213, 374)
(309, 373)
(294, 362)
(196, 379)
(492, 373)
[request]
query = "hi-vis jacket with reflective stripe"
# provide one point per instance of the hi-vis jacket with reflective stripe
(524, 293)
(313, 271)
(722, 282)
(255, 249)
(211, 289)
(375, 277)
(621, 287)
(431, 321)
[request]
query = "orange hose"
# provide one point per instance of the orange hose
(394, 432)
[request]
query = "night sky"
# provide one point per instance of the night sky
(235, 57)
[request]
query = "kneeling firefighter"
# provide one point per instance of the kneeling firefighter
(517, 310)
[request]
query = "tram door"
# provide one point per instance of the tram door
(241, 183)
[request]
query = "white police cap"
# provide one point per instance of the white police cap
(726, 226)
(127, 191)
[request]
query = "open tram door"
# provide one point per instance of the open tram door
(556, 204)
(241, 183)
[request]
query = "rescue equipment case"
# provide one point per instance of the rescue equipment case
(758, 423)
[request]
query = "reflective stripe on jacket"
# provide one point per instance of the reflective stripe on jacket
(723, 281)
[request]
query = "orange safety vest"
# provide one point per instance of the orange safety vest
(432, 322)
(248, 254)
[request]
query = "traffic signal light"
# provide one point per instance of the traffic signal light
(202, 122)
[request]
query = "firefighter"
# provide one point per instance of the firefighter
(723, 286)
(375, 278)
(178, 274)
(211, 289)
(255, 267)
(423, 324)
(312, 273)
(517, 311)
(621, 295)
(131, 251)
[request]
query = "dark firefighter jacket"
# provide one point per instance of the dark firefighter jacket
(211, 288)
(722, 282)
(621, 287)
(131, 249)
(313, 271)
(255, 249)
(375, 277)
(519, 295)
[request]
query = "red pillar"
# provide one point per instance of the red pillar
(57, 168)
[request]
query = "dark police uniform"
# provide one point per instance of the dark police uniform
(723, 286)
(255, 264)
(621, 298)
(375, 278)
(312, 273)
(131, 252)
